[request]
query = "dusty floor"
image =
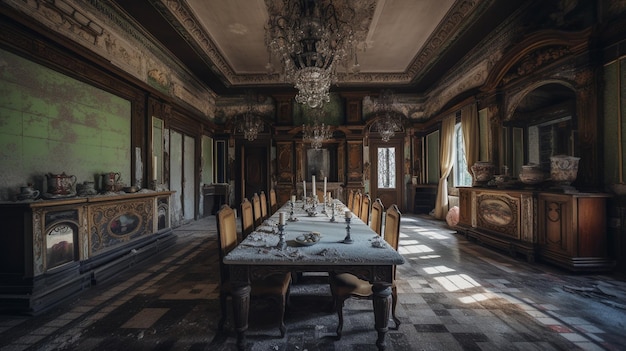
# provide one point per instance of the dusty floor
(453, 295)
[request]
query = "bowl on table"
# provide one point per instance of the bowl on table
(308, 239)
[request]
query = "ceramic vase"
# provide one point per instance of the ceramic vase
(564, 169)
(482, 171)
(531, 174)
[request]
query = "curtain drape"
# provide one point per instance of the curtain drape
(471, 136)
(447, 155)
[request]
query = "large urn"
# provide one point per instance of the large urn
(531, 174)
(564, 169)
(483, 172)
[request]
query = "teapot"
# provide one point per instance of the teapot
(60, 184)
(109, 180)
(28, 192)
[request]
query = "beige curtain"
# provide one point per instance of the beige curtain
(471, 136)
(446, 161)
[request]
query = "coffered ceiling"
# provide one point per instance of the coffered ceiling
(409, 43)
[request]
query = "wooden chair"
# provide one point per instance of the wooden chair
(275, 287)
(364, 211)
(350, 199)
(247, 218)
(346, 285)
(273, 202)
(376, 216)
(256, 206)
(263, 199)
(356, 204)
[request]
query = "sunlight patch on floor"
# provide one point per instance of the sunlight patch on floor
(457, 282)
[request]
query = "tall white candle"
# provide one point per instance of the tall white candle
(313, 190)
(348, 214)
(324, 185)
(293, 199)
(155, 162)
(281, 218)
(304, 190)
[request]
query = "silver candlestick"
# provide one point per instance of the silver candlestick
(281, 235)
(332, 212)
(348, 239)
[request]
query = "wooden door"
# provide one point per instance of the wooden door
(386, 176)
(254, 170)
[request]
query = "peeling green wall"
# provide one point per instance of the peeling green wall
(615, 122)
(51, 123)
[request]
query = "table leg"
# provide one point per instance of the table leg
(241, 308)
(382, 307)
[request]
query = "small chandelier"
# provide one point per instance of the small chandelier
(250, 124)
(391, 120)
(312, 37)
(316, 134)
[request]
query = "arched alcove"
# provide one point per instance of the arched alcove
(542, 124)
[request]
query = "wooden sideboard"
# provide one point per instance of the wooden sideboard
(53, 249)
(568, 230)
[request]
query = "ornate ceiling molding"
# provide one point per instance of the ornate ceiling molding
(179, 14)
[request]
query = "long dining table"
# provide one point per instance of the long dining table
(262, 253)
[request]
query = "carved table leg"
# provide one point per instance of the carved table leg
(241, 308)
(382, 307)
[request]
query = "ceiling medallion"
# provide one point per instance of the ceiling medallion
(311, 38)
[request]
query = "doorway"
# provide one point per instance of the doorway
(182, 177)
(386, 175)
(254, 170)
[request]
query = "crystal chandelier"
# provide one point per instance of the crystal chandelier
(391, 120)
(250, 124)
(312, 37)
(316, 134)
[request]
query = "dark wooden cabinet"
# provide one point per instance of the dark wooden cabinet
(52, 249)
(424, 198)
(568, 230)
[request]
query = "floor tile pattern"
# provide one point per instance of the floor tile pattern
(453, 295)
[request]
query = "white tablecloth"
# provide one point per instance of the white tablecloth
(260, 247)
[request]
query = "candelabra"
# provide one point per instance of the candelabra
(348, 239)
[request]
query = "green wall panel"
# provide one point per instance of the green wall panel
(52, 123)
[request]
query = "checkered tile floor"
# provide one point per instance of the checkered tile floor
(453, 295)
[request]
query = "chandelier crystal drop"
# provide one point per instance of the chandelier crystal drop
(391, 120)
(316, 134)
(311, 38)
(249, 123)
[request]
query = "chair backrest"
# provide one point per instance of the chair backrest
(256, 206)
(320, 195)
(247, 218)
(392, 226)
(350, 198)
(273, 202)
(226, 236)
(364, 212)
(263, 199)
(376, 216)
(356, 204)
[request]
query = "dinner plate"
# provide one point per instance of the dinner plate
(309, 239)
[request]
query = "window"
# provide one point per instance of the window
(386, 167)
(460, 175)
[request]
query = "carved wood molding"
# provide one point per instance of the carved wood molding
(547, 40)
